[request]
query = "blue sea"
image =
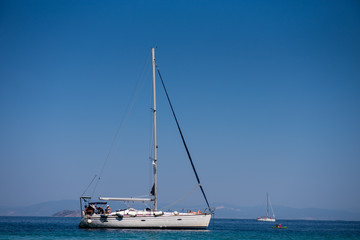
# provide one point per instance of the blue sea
(67, 228)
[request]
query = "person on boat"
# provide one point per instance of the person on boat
(100, 210)
(108, 209)
(89, 210)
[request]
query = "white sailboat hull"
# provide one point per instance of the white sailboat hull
(266, 219)
(164, 221)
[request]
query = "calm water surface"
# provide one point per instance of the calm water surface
(67, 228)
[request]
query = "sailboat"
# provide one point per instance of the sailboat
(268, 218)
(94, 216)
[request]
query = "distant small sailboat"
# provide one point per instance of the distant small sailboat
(268, 218)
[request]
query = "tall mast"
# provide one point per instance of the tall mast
(267, 204)
(155, 139)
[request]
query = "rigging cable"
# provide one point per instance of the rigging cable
(89, 185)
(182, 137)
(186, 195)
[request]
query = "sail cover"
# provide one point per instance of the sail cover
(152, 192)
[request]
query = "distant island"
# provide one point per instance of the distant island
(70, 208)
(67, 213)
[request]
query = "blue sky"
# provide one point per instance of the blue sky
(267, 93)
